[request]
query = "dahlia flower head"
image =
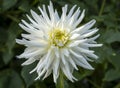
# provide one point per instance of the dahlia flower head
(57, 42)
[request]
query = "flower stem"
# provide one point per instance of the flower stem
(60, 83)
(102, 7)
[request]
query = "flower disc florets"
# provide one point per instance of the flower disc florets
(58, 37)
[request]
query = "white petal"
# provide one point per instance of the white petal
(71, 11)
(35, 43)
(72, 62)
(44, 13)
(89, 53)
(74, 36)
(92, 55)
(56, 69)
(32, 20)
(35, 16)
(57, 52)
(81, 60)
(56, 16)
(88, 59)
(92, 45)
(49, 58)
(83, 50)
(42, 64)
(29, 61)
(79, 63)
(49, 71)
(32, 54)
(64, 11)
(56, 66)
(55, 77)
(33, 37)
(65, 52)
(40, 74)
(77, 42)
(63, 58)
(72, 20)
(79, 19)
(39, 64)
(90, 33)
(66, 69)
(29, 30)
(93, 38)
(77, 12)
(84, 28)
(28, 25)
(51, 11)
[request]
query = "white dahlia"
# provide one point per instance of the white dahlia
(57, 43)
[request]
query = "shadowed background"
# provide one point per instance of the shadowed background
(107, 67)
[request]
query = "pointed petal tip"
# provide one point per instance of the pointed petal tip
(84, 10)
(101, 44)
(33, 70)
(17, 40)
(23, 20)
(36, 78)
(18, 57)
(19, 24)
(76, 68)
(39, 7)
(23, 64)
(94, 21)
(50, 4)
(31, 10)
(91, 68)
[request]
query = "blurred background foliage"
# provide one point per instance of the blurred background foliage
(107, 67)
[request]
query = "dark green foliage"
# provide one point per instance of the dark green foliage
(107, 67)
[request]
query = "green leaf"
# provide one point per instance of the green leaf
(111, 36)
(13, 31)
(112, 75)
(29, 78)
(24, 6)
(104, 52)
(7, 4)
(3, 36)
(10, 79)
(110, 20)
(115, 60)
(81, 74)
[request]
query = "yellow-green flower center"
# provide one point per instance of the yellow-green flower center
(58, 37)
